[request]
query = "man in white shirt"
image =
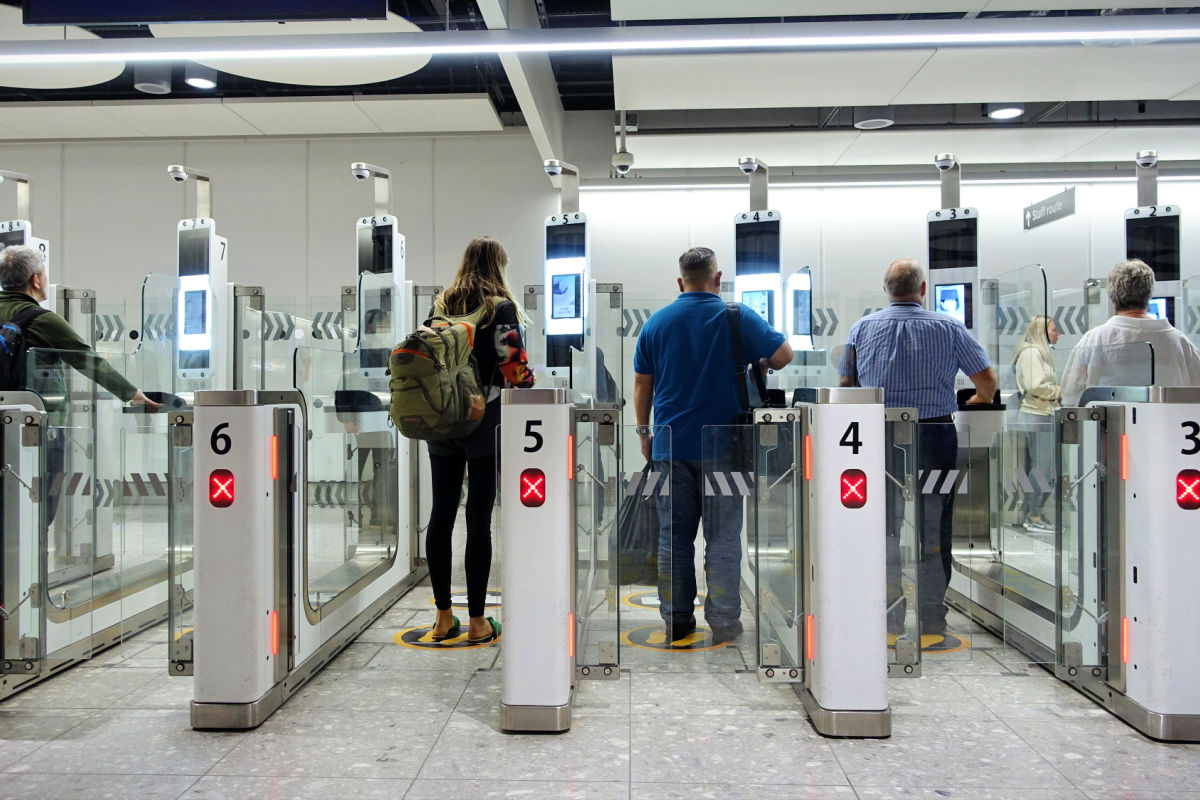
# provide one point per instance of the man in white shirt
(1119, 352)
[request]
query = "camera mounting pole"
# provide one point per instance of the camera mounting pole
(951, 180)
(22, 181)
(383, 184)
(759, 178)
(568, 202)
(1147, 177)
(203, 188)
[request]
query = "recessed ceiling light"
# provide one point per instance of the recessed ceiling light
(152, 77)
(199, 76)
(872, 118)
(1005, 110)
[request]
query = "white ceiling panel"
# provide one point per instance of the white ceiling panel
(699, 151)
(63, 121)
(1003, 146)
(307, 72)
(1192, 93)
(1173, 143)
(431, 113)
(49, 76)
(1033, 74)
(307, 116)
(763, 80)
(723, 9)
(178, 118)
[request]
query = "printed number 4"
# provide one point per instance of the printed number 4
(850, 438)
(530, 433)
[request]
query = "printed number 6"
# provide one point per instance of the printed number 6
(220, 442)
(530, 433)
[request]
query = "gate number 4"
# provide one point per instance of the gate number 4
(850, 438)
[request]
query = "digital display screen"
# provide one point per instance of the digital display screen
(564, 302)
(953, 300)
(375, 249)
(761, 302)
(756, 248)
(1155, 240)
(193, 251)
(90, 12)
(193, 359)
(1162, 308)
(801, 312)
(953, 243)
(566, 241)
(8, 238)
(376, 328)
(195, 306)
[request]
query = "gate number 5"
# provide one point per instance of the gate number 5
(530, 433)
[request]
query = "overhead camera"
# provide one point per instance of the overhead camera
(1147, 158)
(177, 172)
(748, 164)
(622, 162)
(553, 167)
(944, 161)
(360, 171)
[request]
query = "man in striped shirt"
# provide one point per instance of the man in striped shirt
(915, 354)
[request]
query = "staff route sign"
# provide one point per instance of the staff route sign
(1051, 209)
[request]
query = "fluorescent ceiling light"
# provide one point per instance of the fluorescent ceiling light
(625, 186)
(199, 76)
(619, 40)
(1005, 110)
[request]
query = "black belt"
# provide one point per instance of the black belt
(942, 418)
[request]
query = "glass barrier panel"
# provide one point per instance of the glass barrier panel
(249, 342)
(180, 533)
(1188, 320)
(597, 494)
(903, 523)
(774, 524)
(152, 365)
(1073, 317)
(1023, 331)
(23, 465)
(1130, 364)
(116, 321)
(637, 309)
(639, 569)
(595, 373)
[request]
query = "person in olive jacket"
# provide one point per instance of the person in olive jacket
(23, 281)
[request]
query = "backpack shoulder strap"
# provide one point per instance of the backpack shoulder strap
(27, 315)
(733, 313)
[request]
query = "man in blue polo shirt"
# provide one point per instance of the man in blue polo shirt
(915, 355)
(684, 367)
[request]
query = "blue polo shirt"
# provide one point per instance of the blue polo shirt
(914, 354)
(686, 346)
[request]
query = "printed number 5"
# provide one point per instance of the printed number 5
(530, 433)
(1193, 437)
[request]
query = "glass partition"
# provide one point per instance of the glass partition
(1022, 325)
(597, 492)
(901, 461)
(1188, 320)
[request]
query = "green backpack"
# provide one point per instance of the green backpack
(436, 389)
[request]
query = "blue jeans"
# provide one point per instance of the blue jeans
(679, 516)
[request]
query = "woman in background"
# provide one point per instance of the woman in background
(1040, 395)
(500, 356)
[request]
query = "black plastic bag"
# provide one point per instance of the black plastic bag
(635, 550)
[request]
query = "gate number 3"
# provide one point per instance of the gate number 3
(1193, 437)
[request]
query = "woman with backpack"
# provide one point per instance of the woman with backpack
(500, 357)
(1040, 395)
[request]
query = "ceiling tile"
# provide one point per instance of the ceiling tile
(763, 80)
(1173, 143)
(63, 121)
(303, 116)
(1036, 74)
(428, 113)
(999, 146)
(49, 76)
(178, 118)
(1191, 93)
(723, 9)
(700, 151)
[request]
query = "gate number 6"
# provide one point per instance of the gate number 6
(220, 442)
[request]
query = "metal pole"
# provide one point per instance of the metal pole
(951, 180)
(759, 174)
(569, 184)
(382, 179)
(202, 194)
(1147, 178)
(22, 191)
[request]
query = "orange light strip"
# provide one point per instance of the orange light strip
(274, 458)
(808, 457)
(274, 633)
(1124, 640)
(571, 635)
(570, 457)
(810, 649)
(1124, 457)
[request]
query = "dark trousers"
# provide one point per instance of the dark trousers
(446, 473)
(56, 456)
(938, 443)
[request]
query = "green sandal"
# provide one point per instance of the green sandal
(454, 630)
(493, 636)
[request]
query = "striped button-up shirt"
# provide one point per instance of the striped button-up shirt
(914, 354)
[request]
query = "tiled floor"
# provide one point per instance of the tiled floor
(392, 722)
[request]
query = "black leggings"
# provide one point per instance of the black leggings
(446, 472)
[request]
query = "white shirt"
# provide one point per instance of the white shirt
(1116, 354)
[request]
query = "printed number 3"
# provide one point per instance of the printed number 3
(530, 433)
(1193, 437)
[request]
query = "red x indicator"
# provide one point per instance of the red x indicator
(854, 488)
(533, 487)
(1187, 489)
(220, 488)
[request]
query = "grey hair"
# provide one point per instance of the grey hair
(1130, 285)
(904, 277)
(18, 265)
(698, 264)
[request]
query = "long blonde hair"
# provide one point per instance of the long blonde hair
(480, 280)
(1037, 336)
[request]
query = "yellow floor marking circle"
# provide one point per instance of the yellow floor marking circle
(938, 643)
(650, 600)
(654, 637)
(421, 638)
